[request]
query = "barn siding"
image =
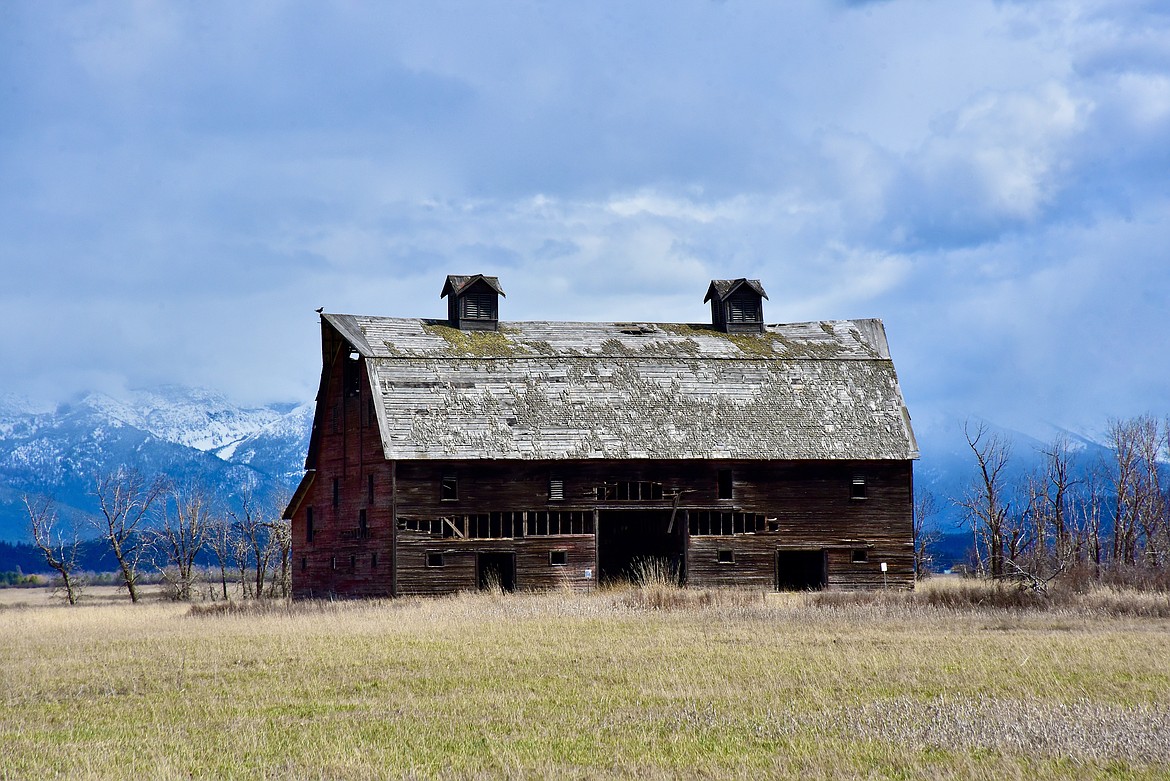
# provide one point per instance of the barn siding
(810, 502)
(533, 570)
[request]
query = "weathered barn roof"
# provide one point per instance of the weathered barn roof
(554, 390)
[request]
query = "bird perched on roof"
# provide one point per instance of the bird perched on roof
(320, 309)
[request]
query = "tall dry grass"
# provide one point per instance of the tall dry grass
(601, 685)
(973, 594)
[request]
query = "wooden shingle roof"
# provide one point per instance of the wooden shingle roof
(457, 283)
(722, 288)
(555, 390)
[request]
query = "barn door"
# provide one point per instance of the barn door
(801, 570)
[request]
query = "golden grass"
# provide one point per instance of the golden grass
(583, 686)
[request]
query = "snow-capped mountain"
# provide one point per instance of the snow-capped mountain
(277, 448)
(183, 433)
(194, 417)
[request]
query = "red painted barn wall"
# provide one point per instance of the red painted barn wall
(341, 559)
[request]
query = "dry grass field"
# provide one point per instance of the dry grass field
(618, 684)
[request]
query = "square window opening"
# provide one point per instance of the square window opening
(558, 558)
(860, 556)
(725, 556)
(434, 559)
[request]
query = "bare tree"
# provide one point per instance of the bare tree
(221, 541)
(252, 529)
(1149, 496)
(242, 560)
(1122, 435)
(181, 535)
(1019, 532)
(1088, 513)
(926, 507)
(280, 542)
(984, 503)
(58, 545)
(125, 498)
(1053, 510)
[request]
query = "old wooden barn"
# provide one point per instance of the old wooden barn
(452, 453)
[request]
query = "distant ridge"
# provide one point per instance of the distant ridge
(185, 433)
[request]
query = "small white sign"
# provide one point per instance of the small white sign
(883, 566)
(589, 573)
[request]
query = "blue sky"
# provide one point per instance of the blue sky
(182, 184)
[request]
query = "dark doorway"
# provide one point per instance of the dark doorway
(627, 538)
(801, 570)
(495, 568)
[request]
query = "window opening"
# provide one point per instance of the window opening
(558, 558)
(373, 561)
(714, 523)
(449, 489)
(860, 556)
(630, 491)
(352, 563)
(363, 525)
(434, 559)
(503, 525)
(370, 488)
(304, 563)
(352, 373)
(725, 556)
(725, 484)
(857, 488)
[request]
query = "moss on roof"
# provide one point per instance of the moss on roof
(478, 344)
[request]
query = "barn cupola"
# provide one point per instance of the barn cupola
(473, 302)
(737, 305)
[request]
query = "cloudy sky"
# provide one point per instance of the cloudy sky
(182, 184)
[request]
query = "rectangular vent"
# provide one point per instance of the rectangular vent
(556, 490)
(479, 306)
(743, 311)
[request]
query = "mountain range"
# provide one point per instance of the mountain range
(187, 434)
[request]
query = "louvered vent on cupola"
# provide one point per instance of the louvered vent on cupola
(473, 302)
(737, 305)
